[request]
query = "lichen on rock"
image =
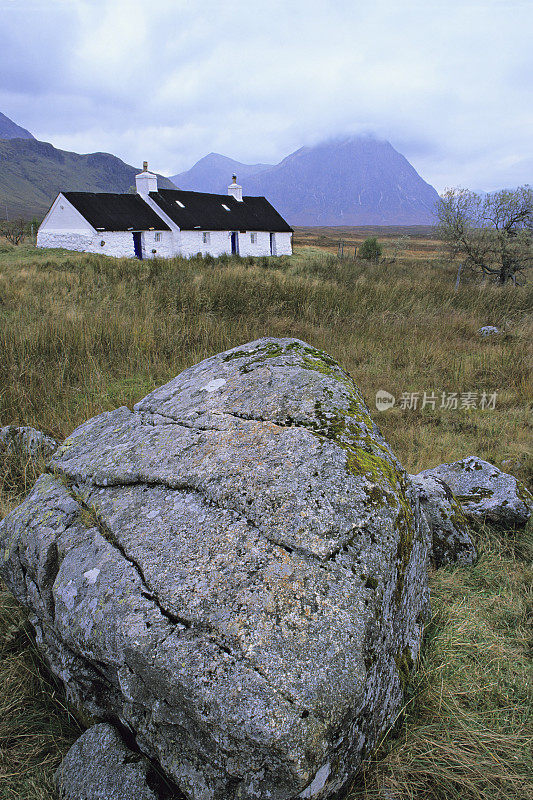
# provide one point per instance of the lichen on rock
(485, 493)
(450, 532)
(99, 766)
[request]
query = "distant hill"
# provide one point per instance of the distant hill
(10, 130)
(32, 173)
(213, 173)
(358, 180)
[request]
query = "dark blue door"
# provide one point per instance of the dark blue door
(234, 243)
(137, 245)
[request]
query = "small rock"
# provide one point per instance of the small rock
(99, 766)
(489, 330)
(484, 492)
(27, 441)
(448, 525)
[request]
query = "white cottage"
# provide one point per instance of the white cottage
(165, 222)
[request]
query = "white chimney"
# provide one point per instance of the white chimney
(234, 190)
(146, 181)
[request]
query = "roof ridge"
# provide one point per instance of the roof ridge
(191, 210)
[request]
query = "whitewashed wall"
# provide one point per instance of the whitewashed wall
(220, 242)
(116, 243)
(65, 218)
(82, 242)
(260, 248)
(165, 248)
(283, 244)
(191, 243)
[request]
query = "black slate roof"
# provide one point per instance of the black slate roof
(116, 212)
(205, 211)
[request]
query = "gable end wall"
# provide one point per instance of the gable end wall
(65, 218)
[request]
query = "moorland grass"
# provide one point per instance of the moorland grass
(82, 334)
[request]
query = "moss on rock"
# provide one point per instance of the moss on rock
(404, 665)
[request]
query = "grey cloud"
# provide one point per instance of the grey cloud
(170, 80)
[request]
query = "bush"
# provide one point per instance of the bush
(370, 250)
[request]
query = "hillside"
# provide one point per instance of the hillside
(33, 172)
(10, 130)
(359, 180)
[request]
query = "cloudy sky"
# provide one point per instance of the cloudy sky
(448, 82)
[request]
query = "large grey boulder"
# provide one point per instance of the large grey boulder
(236, 569)
(485, 493)
(26, 441)
(99, 766)
(451, 539)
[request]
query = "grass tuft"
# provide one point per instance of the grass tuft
(36, 725)
(466, 731)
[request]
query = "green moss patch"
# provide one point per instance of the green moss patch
(404, 665)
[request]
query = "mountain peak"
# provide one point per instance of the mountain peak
(213, 172)
(10, 130)
(353, 180)
(356, 179)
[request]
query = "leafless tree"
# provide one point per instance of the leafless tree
(492, 233)
(14, 231)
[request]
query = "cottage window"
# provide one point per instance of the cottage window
(253, 238)
(158, 237)
(205, 237)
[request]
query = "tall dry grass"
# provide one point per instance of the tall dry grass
(466, 731)
(81, 334)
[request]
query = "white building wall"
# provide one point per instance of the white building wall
(282, 244)
(192, 243)
(166, 247)
(120, 243)
(261, 247)
(116, 243)
(82, 242)
(65, 218)
(220, 242)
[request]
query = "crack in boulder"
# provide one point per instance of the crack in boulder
(150, 594)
